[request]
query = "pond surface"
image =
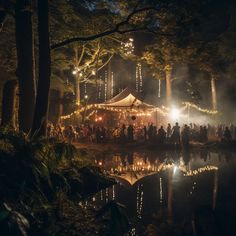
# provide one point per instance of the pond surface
(198, 185)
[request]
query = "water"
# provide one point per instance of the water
(174, 187)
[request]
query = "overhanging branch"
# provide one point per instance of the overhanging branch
(116, 29)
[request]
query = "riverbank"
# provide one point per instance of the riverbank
(110, 148)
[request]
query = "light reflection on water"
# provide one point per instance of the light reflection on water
(179, 182)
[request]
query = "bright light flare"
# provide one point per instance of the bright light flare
(175, 169)
(175, 114)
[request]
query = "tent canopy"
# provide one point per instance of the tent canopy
(127, 99)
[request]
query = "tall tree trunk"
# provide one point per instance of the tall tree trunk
(39, 126)
(213, 93)
(168, 71)
(9, 103)
(60, 108)
(25, 64)
(2, 13)
(77, 78)
(77, 89)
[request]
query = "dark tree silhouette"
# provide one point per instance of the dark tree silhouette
(8, 103)
(39, 126)
(25, 63)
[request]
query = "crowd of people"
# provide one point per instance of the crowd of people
(129, 133)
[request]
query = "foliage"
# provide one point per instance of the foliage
(36, 174)
(113, 214)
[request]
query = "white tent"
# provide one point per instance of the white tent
(127, 99)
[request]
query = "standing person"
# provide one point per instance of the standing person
(154, 135)
(161, 136)
(220, 131)
(103, 134)
(98, 134)
(232, 129)
(176, 133)
(145, 132)
(205, 134)
(122, 133)
(130, 133)
(227, 135)
(59, 132)
(116, 134)
(49, 129)
(150, 131)
(186, 136)
(169, 131)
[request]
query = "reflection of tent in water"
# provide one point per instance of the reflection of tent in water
(137, 171)
(132, 177)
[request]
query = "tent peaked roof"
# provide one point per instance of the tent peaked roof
(127, 98)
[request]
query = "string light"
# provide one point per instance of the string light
(139, 201)
(85, 88)
(212, 112)
(161, 191)
(107, 108)
(112, 84)
(139, 78)
(113, 192)
(128, 47)
(163, 110)
(100, 89)
(105, 86)
(107, 195)
(200, 170)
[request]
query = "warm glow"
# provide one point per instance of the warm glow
(174, 114)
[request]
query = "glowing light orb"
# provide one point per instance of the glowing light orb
(175, 114)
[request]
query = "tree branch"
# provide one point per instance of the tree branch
(116, 29)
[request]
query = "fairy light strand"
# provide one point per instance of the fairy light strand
(188, 104)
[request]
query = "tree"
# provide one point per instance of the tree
(194, 31)
(9, 103)
(25, 63)
(39, 126)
